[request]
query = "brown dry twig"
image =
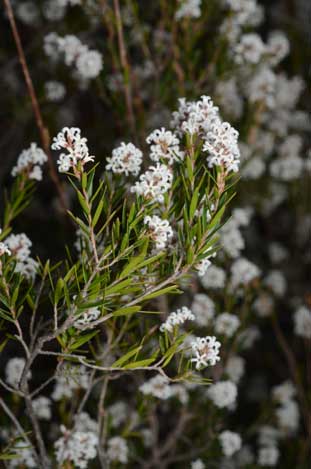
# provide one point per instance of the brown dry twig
(44, 133)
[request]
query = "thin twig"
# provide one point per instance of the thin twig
(18, 427)
(44, 133)
(126, 68)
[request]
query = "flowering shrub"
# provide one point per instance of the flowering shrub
(150, 312)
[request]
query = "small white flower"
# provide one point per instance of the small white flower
(188, 9)
(89, 64)
(72, 378)
(88, 317)
(223, 394)
(268, 456)
(54, 91)
(226, 324)
(221, 143)
(277, 282)
(230, 442)
(70, 139)
(29, 162)
(14, 370)
(20, 245)
(205, 351)
(268, 436)
(76, 447)
(118, 413)
(263, 305)
(176, 318)
(250, 49)
(117, 450)
(154, 183)
(215, 277)
(160, 230)
(235, 368)
(302, 321)
(42, 407)
(287, 415)
(243, 272)
(202, 267)
(4, 249)
(284, 392)
(197, 464)
(203, 309)
(25, 456)
(158, 386)
(164, 145)
(278, 47)
(125, 159)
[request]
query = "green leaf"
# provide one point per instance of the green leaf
(58, 290)
(115, 288)
(82, 340)
(98, 212)
(140, 363)
(194, 203)
(162, 291)
(118, 363)
(127, 310)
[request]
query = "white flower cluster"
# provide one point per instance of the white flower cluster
(154, 183)
(302, 321)
(160, 230)
(54, 90)
(226, 324)
(263, 305)
(202, 266)
(223, 394)
(215, 277)
(42, 407)
(76, 447)
(268, 453)
(159, 387)
(289, 165)
(70, 139)
(176, 318)
(245, 12)
(71, 380)
(231, 238)
(164, 145)
(276, 282)
(117, 450)
(221, 143)
(203, 309)
(29, 162)
(231, 442)
(19, 246)
(24, 456)
(87, 318)
(197, 464)
(205, 351)
(235, 368)
(14, 370)
(249, 50)
(229, 97)
(4, 247)
(220, 138)
(188, 9)
(243, 272)
(125, 159)
(194, 117)
(261, 88)
(88, 63)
